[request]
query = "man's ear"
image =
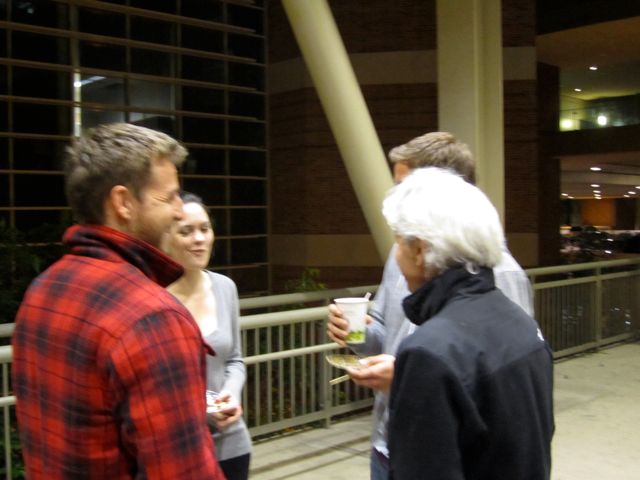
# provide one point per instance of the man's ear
(120, 202)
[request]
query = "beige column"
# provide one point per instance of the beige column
(332, 74)
(470, 100)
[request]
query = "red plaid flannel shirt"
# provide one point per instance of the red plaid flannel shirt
(109, 368)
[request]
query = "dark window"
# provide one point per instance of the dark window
(34, 190)
(203, 10)
(202, 39)
(4, 153)
(45, 119)
(246, 75)
(39, 12)
(99, 89)
(212, 191)
(246, 133)
(4, 190)
(150, 62)
(203, 130)
(245, 17)
(102, 55)
(205, 161)
(248, 250)
(101, 22)
(251, 280)
(4, 116)
(36, 223)
(36, 154)
(151, 95)
(162, 123)
(248, 163)
(3, 42)
(248, 105)
(220, 254)
(92, 117)
(248, 192)
(248, 222)
(4, 87)
(41, 48)
(244, 46)
(33, 82)
(151, 30)
(219, 220)
(202, 69)
(166, 6)
(202, 100)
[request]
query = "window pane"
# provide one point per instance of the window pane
(248, 105)
(151, 30)
(202, 39)
(4, 87)
(151, 63)
(38, 154)
(166, 6)
(248, 250)
(203, 10)
(244, 46)
(248, 192)
(220, 255)
(247, 133)
(42, 48)
(51, 119)
(4, 116)
(94, 117)
(46, 225)
(203, 69)
(101, 22)
(102, 55)
(38, 190)
(202, 100)
(205, 161)
(212, 191)
(152, 95)
(245, 17)
(4, 190)
(99, 89)
(248, 163)
(34, 82)
(3, 42)
(4, 153)
(46, 14)
(246, 75)
(203, 130)
(161, 123)
(219, 220)
(253, 279)
(248, 222)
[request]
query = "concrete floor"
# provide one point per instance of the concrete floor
(597, 413)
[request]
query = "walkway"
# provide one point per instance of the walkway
(597, 412)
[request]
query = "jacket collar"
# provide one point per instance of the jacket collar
(432, 297)
(99, 241)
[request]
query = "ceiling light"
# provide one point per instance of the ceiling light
(593, 67)
(597, 191)
(638, 186)
(602, 120)
(595, 185)
(626, 196)
(632, 192)
(595, 169)
(570, 197)
(564, 194)
(577, 89)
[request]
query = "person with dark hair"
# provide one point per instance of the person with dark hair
(212, 299)
(108, 367)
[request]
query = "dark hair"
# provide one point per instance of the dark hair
(188, 197)
(109, 155)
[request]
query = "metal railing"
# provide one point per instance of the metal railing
(579, 307)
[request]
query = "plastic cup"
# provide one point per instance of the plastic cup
(354, 310)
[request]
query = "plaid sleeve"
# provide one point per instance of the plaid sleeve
(157, 374)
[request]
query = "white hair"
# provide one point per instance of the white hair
(454, 218)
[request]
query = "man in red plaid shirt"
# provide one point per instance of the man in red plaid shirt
(108, 367)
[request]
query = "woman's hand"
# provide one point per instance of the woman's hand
(230, 412)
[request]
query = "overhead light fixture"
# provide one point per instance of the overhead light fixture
(564, 194)
(632, 192)
(577, 89)
(570, 197)
(602, 120)
(593, 67)
(595, 185)
(595, 169)
(567, 124)
(626, 196)
(638, 186)
(597, 191)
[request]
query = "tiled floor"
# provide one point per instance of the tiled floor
(597, 413)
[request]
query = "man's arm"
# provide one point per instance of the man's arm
(158, 378)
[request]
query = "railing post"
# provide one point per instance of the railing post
(325, 388)
(599, 303)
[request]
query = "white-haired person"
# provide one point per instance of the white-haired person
(471, 396)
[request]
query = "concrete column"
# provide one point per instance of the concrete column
(332, 74)
(470, 94)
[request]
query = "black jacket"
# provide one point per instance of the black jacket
(472, 390)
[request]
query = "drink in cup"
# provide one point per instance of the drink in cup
(354, 311)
